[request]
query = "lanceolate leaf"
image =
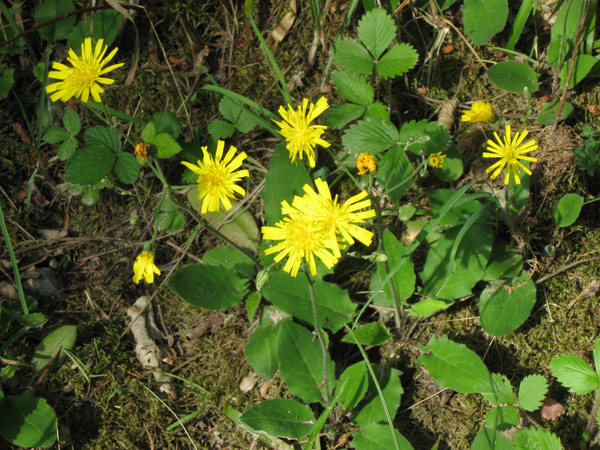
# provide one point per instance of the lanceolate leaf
(352, 385)
(62, 337)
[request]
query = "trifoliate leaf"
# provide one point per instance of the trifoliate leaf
(351, 55)
(398, 60)
(376, 30)
(353, 87)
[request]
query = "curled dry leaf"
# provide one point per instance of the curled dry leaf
(551, 409)
(248, 382)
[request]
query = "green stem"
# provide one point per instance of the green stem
(593, 413)
(319, 333)
(13, 260)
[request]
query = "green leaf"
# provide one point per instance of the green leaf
(373, 333)
(127, 168)
(488, 439)
(352, 385)
(106, 25)
(230, 258)
(72, 122)
(48, 10)
(103, 136)
(301, 361)
(549, 110)
(536, 439)
(89, 165)
(252, 303)
(281, 417)
(261, 349)
(90, 196)
(220, 129)
(502, 417)
(208, 286)
(505, 306)
(502, 390)
(567, 209)
(513, 76)
(378, 111)
(582, 67)
(6, 80)
(597, 355)
(284, 180)
(370, 136)
(177, 223)
(532, 392)
(62, 337)
(505, 262)
(456, 367)
(558, 51)
(27, 421)
(353, 87)
(483, 19)
(55, 134)
(376, 29)
(242, 118)
(351, 55)
(397, 61)
(428, 306)
(574, 373)
(339, 114)
(166, 146)
(292, 295)
(371, 409)
(404, 279)
(68, 148)
(377, 436)
(149, 132)
(166, 122)
(164, 219)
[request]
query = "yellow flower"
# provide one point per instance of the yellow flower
(510, 151)
(144, 267)
(82, 79)
(337, 218)
(217, 177)
(479, 112)
(436, 159)
(141, 150)
(300, 135)
(301, 238)
(366, 163)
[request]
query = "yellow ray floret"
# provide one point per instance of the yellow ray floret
(86, 72)
(144, 267)
(300, 135)
(510, 151)
(217, 177)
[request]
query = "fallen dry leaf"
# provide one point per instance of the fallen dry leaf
(248, 382)
(589, 291)
(551, 409)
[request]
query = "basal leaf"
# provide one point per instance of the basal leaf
(27, 421)
(261, 349)
(351, 55)
(532, 392)
(231, 258)
(397, 61)
(567, 209)
(62, 337)
(483, 19)
(582, 67)
(513, 76)
(373, 333)
(371, 409)
(505, 262)
(377, 436)
(376, 30)
(574, 373)
(48, 10)
(352, 385)
(281, 417)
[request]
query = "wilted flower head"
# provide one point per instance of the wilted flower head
(141, 150)
(479, 112)
(436, 159)
(300, 135)
(510, 151)
(366, 163)
(144, 267)
(82, 79)
(217, 177)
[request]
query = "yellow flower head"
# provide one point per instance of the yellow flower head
(479, 112)
(510, 151)
(300, 135)
(337, 218)
(366, 163)
(144, 267)
(301, 238)
(141, 150)
(82, 79)
(436, 159)
(217, 177)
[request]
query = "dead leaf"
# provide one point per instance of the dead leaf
(52, 235)
(589, 291)
(551, 409)
(248, 382)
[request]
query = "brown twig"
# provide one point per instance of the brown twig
(565, 268)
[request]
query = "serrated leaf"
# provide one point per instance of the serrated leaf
(72, 122)
(502, 418)
(149, 132)
(103, 136)
(211, 287)
(166, 122)
(27, 421)
(353, 87)
(68, 148)
(378, 111)
(62, 337)
(89, 165)
(488, 439)
(55, 134)
(484, 18)
(352, 385)
(370, 136)
(373, 333)
(397, 61)
(339, 114)
(455, 366)
(532, 392)
(377, 436)
(376, 29)
(220, 129)
(280, 417)
(351, 55)
(166, 146)
(502, 390)
(574, 373)
(127, 168)
(536, 439)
